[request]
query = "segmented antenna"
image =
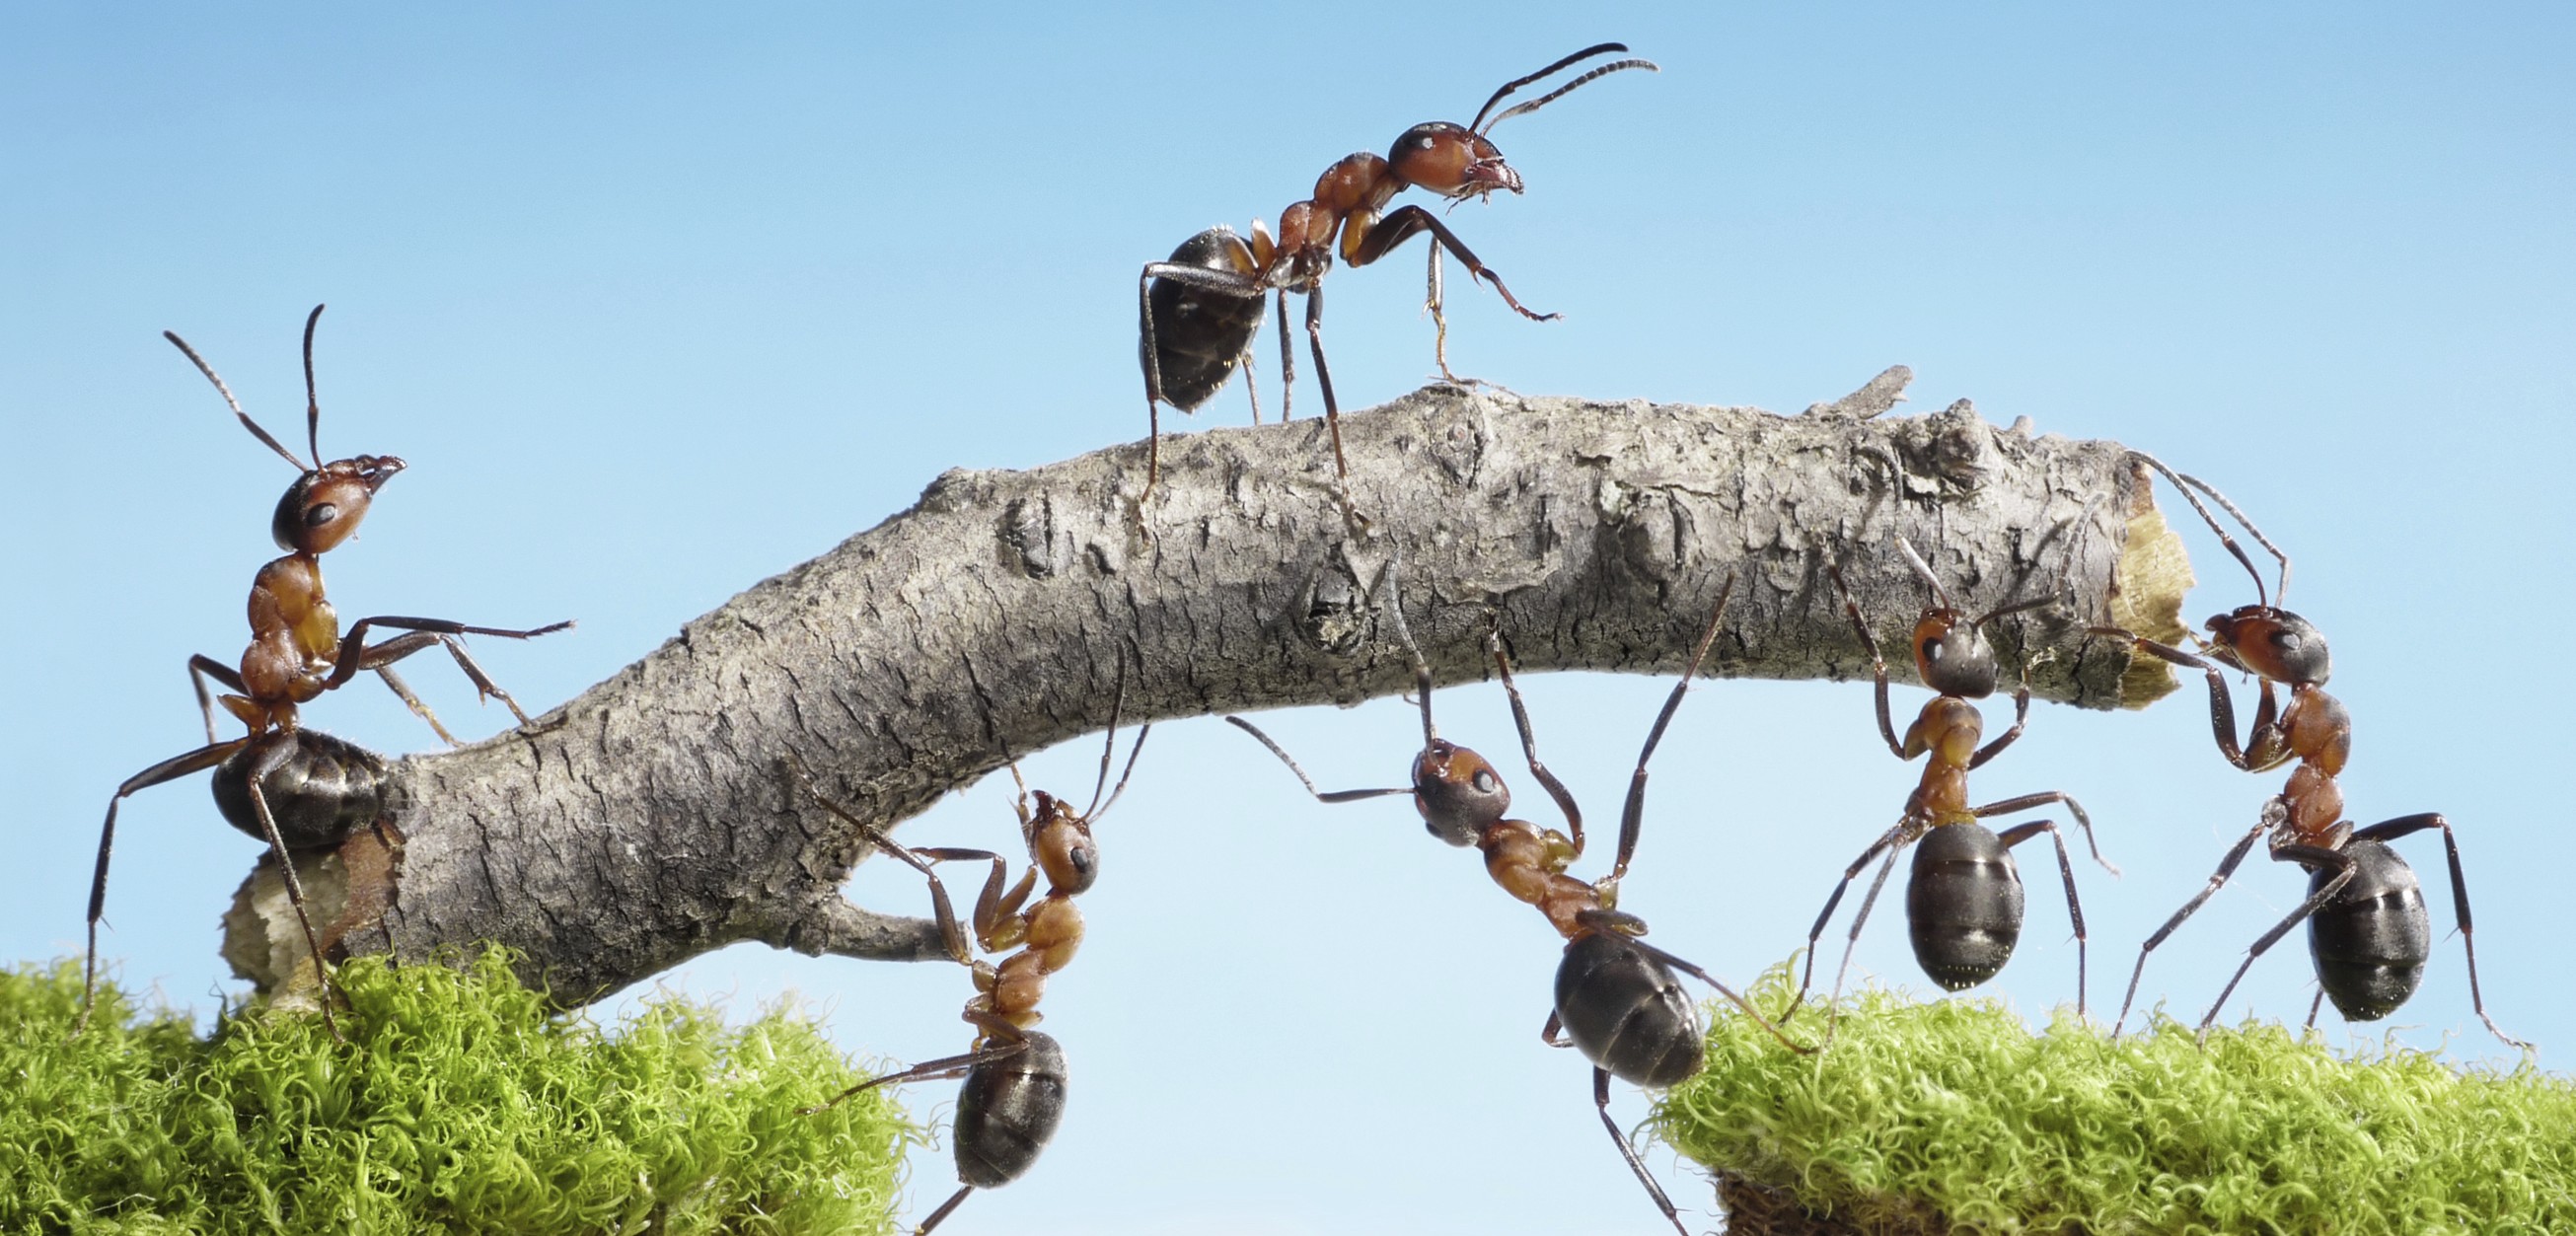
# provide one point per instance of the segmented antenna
(312, 405)
(1480, 126)
(227, 393)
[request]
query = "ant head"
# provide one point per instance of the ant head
(324, 505)
(1451, 160)
(2274, 643)
(1952, 654)
(322, 508)
(1457, 792)
(1060, 841)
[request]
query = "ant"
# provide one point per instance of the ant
(1617, 1001)
(1198, 310)
(1963, 900)
(297, 650)
(1013, 1096)
(2368, 930)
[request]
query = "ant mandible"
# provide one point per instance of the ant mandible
(1963, 897)
(1617, 1001)
(297, 650)
(1198, 310)
(1013, 1096)
(2368, 930)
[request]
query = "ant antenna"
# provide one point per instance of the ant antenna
(2184, 485)
(312, 405)
(2281, 592)
(1480, 126)
(1924, 569)
(227, 393)
(1421, 668)
(1108, 749)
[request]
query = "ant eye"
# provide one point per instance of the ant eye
(1083, 859)
(320, 513)
(1485, 782)
(1933, 650)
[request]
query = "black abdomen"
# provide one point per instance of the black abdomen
(1626, 1012)
(1007, 1110)
(325, 788)
(2370, 942)
(1199, 333)
(1963, 905)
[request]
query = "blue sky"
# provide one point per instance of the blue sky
(659, 301)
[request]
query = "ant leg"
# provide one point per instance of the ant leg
(2021, 716)
(1553, 1033)
(202, 667)
(1333, 796)
(1332, 409)
(168, 770)
(1406, 222)
(2074, 908)
(2266, 744)
(2028, 801)
(1897, 838)
(1529, 744)
(2303, 855)
(355, 655)
(392, 650)
(1851, 943)
(1878, 664)
(2315, 1007)
(1153, 388)
(943, 1069)
(402, 690)
(2405, 825)
(1439, 320)
(2226, 868)
(1722, 989)
(263, 762)
(950, 934)
(944, 1208)
(1601, 1102)
(1287, 362)
(1632, 816)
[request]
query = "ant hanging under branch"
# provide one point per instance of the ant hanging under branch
(1617, 1000)
(2368, 930)
(297, 650)
(1015, 1075)
(1198, 310)
(1963, 899)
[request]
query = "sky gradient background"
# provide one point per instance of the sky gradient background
(658, 302)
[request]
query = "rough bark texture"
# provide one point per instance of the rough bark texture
(649, 820)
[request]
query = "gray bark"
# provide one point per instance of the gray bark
(650, 820)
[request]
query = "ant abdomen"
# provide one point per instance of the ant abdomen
(2370, 943)
(1007, 1110)
(1963, 905)
(1199, 332)
(1625, 1011)
(323, 789)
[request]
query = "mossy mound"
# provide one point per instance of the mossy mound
(457, 1105)
(1954, 1116)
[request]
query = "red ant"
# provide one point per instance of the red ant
(1963, 900)
(1617, 1001)
(2368, 930)
(1198, 311)
(297, 650)
(1013, 1096)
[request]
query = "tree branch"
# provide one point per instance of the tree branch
(649, 820)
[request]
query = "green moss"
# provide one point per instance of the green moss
(457, 1105)
(1953, 1113)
